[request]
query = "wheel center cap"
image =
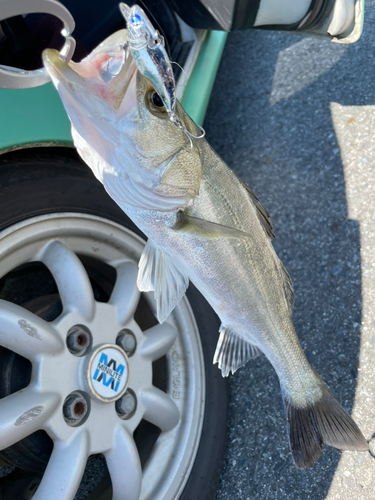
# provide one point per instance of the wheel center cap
(107, 373)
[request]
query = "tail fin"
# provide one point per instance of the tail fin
(326, 422)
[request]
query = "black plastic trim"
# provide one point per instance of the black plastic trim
(320, 18)
(245, 13)
(195, 14)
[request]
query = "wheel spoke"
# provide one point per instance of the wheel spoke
(160, 409)
(125, 295)
(65, 469)
(23, 413)
(158, 340)
(25, 333)
(124, 466)
(71, 278)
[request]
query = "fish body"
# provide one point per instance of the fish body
(241, 277)
(204, 225)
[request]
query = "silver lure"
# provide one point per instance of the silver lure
(149, 54)
(148, 51)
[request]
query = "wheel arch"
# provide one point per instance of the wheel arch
(37, 151)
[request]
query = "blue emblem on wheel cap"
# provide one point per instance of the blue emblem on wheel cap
(108, 372)
(109, 369)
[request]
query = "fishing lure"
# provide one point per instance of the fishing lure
(147, 48)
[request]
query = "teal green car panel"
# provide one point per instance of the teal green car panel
(199, 86)
(32, 116)
(36, 117)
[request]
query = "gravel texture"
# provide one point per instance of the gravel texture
(295, 118)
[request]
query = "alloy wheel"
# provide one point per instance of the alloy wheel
(93, 367)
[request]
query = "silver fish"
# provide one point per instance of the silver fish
(204, 225)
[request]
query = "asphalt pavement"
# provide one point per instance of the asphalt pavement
(295, 118)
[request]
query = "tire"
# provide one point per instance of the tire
(33, 186)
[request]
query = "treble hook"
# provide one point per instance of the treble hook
(174, 119)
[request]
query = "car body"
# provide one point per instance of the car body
(55, 220)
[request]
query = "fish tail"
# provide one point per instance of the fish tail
(323, 421)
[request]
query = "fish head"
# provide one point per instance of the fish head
(94, 90)
(122, 130)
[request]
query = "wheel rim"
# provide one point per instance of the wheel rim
(55, 240)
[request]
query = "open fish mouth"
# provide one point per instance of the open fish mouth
(59, 69)
(104, 75)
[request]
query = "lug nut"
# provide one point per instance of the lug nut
(126, 341)
(78, 340)
(75, 409)
(126, 405)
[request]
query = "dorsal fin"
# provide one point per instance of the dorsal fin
(262, 213)
(232, 352)
(265, 220)
(160, 272)
(288, 287)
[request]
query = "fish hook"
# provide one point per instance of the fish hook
(174, 119)
(125, 48)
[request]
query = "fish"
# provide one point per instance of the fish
(204, 225)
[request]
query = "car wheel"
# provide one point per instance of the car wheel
(98, 400)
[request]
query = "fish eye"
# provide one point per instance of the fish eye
(155, 104)
(156, 100)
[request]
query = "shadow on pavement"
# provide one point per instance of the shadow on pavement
(272, 124)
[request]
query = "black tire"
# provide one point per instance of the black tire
(33, 185)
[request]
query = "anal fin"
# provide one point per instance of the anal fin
(160, 272)
(232, 352)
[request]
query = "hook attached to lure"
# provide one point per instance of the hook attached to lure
(174, 119)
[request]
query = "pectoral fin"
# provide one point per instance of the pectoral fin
(232, 352)
(161, 273)
(206, 229)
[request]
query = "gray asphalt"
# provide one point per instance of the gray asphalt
(295, 118)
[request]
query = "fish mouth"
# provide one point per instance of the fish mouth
(86, 78)
(59, 69)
